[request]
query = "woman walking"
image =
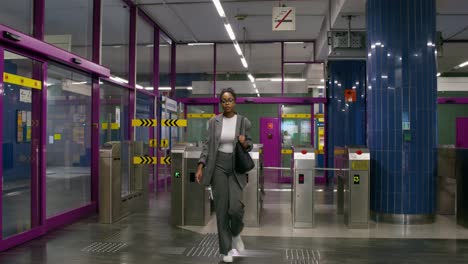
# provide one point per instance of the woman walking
(216, 168)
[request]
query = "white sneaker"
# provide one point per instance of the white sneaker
(238, 244)
(228, 258)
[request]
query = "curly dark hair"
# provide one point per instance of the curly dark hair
(227, 90)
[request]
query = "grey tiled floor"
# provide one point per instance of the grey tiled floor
(146, 237)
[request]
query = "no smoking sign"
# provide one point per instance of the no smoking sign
(284, 18)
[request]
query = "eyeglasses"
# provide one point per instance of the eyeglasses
(230, 100)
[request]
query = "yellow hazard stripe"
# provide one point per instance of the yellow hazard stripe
(319, 115)
(174, 122)
(196, 115)
(286, 151)
(144, 122)
(22, 81)
(114, 126)
(296, 115)
(165, 160)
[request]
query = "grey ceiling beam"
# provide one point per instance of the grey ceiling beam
(210, 2)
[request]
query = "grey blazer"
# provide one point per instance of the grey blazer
(211, 145)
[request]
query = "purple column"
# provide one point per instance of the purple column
(173, 69)
(282, 68)
(97, 18)
(95, 107)
(1, 139)
(154, 131)
(214, 69)
(39, 19)
(132, 70)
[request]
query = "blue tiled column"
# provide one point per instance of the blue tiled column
(401, 109)
(346, 120)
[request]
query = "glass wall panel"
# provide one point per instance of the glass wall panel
(145, 54)
(18, 155)
(230, 72)
(18, 15)
(264, 61)
(68, 177)
(197, 124)
(114, 123)
(144, 110)
(164, 65)
(194, 70)
(302, 79)
(115, 38)
(69, 25)
(265, 65)
(298, 51)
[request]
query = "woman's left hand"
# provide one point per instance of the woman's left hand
(242, 141)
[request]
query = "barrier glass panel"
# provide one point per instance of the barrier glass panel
(19, 157)
(69, 139)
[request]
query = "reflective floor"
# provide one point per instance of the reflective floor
(146, 237)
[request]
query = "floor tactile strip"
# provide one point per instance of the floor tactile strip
(104, 247)
(302, 256)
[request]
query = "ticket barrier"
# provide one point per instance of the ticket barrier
(254, 190)
(303, 167)
(353, 187)
(122, 186)
(190, 203)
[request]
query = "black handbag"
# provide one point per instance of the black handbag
(242, 159)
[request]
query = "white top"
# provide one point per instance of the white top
(228, 134)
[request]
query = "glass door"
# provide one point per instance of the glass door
(20, 100)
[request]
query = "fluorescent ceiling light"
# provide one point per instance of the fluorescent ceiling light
(164, 88)
(149, 45)
(463, 64)
(200, 44)
(256, 90)
(244, 62)
(288, 80)
(294, 42)
(190, 88)
(254, 86)
(219, 8)
(322, 80)
(75, 83)
(149, 88)
(118, 79)
(295, 63)
(238, 49)
(139, 86)
(321, 87)
(230, 31)
(252, 79)
(438, 74)
(258, 95)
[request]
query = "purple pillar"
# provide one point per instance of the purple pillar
(282, 68)
(173, 69)
(132, 70)
(214, 69)
(39, 19)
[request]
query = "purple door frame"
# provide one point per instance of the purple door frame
(461, 132)
(271, 140)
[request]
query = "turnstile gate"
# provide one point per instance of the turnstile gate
(355, 188)
(253, 191)
(303, 187)
(190, 203)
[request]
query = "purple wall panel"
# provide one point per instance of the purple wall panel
(462, 132)
(452, 100)
(270, 138)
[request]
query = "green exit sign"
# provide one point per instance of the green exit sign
(177, 174)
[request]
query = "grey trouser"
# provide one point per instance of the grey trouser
(227, 201)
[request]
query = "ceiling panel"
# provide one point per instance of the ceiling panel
(200, 21)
